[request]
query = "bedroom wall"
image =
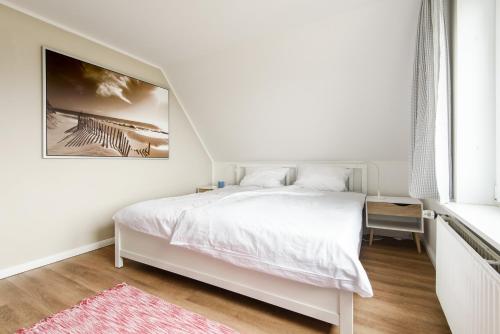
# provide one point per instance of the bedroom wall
(334, 89)
(51, 206)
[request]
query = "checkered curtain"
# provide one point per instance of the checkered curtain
(431, 49)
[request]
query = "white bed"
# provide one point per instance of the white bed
(318, 280)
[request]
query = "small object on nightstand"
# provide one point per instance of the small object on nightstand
(203, 189)
(395, 213)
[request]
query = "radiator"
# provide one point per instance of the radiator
(467, 279)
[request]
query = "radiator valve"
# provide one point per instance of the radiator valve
(429, 214)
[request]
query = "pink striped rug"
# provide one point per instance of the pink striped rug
(125, 309)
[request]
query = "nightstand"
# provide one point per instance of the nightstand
(395, 213)
(203, 189)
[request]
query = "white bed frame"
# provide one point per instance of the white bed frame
(328, 304)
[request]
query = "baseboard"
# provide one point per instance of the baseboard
(20, 268)
(430, 252)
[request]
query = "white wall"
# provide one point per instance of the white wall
(49, 206)
(336, 89)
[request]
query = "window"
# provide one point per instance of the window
(475, 152)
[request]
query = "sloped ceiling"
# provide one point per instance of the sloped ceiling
(270, 79)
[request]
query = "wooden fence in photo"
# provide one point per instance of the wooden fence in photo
(92, 131)
(144, 152)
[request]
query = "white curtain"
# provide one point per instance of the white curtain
(430, 144)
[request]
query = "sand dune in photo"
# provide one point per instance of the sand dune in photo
(81, 134)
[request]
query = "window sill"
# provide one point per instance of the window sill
(482, 219)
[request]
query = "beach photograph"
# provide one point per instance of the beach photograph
(91, 111)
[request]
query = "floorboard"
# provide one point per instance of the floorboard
(403, 283)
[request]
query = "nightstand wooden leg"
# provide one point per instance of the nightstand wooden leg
(371, 237)
(416, 237)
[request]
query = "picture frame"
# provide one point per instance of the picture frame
(91, 111)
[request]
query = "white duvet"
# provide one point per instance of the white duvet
(158, 217)
(307, 236)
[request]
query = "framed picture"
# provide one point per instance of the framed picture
(91, 111)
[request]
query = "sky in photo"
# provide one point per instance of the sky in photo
(79, 86)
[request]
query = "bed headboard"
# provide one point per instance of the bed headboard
(358, 180)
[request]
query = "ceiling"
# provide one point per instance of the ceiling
(166, 31)
(270, 79)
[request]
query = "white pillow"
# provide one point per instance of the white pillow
(323, 177)
(267, 177)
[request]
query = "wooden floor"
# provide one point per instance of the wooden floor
(403, 282)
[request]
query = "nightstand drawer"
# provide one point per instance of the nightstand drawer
(393, 209)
